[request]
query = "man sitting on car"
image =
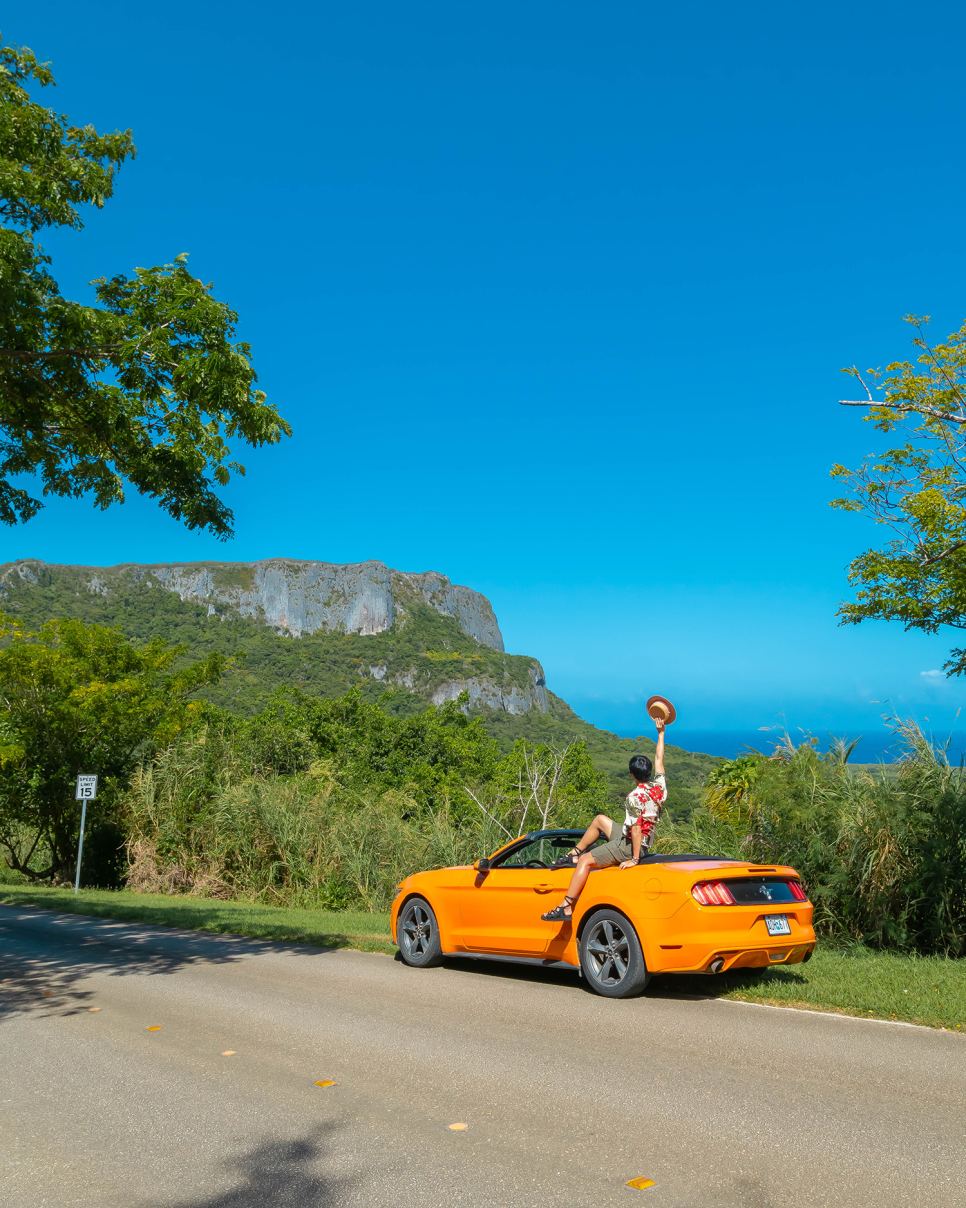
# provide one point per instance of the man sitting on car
(642, 813)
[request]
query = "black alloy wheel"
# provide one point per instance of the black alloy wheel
(611, 956)
(418, 935)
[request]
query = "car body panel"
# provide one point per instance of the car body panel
(498, 912)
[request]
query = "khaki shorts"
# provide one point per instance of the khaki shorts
(615, 852)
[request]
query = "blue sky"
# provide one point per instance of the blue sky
(555, 298)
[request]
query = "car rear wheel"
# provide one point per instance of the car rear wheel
(611, 956)
(418, 935)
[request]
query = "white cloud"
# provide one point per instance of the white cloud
(931, 674)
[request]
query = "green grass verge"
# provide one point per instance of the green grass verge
(325, 928)
(928, 990)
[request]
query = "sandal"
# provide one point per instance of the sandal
(569, 860)
(558, 914)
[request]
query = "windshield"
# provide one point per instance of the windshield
(545, 850)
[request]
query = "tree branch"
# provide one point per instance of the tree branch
(938, 557)
(921, 409)
(470, 793)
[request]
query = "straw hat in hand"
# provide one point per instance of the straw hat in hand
(661, 709)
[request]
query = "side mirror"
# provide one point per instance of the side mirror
(483, 865)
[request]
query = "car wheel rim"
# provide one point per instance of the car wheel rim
(608, 952)
(417, 931)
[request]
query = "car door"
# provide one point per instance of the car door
(501, 910)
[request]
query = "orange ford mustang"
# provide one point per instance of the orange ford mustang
(670, 914)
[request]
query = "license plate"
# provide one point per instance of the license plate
(777, 924)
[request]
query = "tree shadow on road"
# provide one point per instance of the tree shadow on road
(280, 1174)
(45, 957)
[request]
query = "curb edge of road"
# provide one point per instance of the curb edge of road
(895, 1023)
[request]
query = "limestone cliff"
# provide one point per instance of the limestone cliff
(513, 698)
(292, 596)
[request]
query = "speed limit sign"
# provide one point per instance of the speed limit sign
(86, 791)
(86, 788)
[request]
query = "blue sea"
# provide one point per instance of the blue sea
(872, 748)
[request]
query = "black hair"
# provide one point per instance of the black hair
(640, 768)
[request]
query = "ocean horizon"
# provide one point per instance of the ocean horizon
(871, 748)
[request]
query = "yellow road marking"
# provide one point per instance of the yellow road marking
(457, 1127)
(228, 1053)
(640, 1183)
(154, 1028)
(325, 1084)
(93, 1008)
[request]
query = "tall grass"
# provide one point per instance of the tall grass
(199, 824)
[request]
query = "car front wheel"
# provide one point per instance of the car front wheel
(418, 935)
(611, 956)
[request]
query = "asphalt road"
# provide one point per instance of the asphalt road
(567, 1096)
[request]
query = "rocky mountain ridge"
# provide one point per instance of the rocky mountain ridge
(293, 596)
(313, 606)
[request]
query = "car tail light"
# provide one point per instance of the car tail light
(712, 893)
(798, 893)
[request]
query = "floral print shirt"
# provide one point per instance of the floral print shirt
(644, 805)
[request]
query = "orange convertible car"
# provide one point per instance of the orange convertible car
(670, 914)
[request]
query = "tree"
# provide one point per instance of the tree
(79, 698)
(918, 490)
(428, 755)
(146, 386)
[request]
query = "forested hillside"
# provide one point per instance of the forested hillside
(424, 657)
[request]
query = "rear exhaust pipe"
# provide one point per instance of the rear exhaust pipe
(716, 965)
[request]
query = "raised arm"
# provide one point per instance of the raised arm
(659, 753)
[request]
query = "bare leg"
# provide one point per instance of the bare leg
(585, 866)
(601, 825)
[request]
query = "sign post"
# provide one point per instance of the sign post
(86, 791)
